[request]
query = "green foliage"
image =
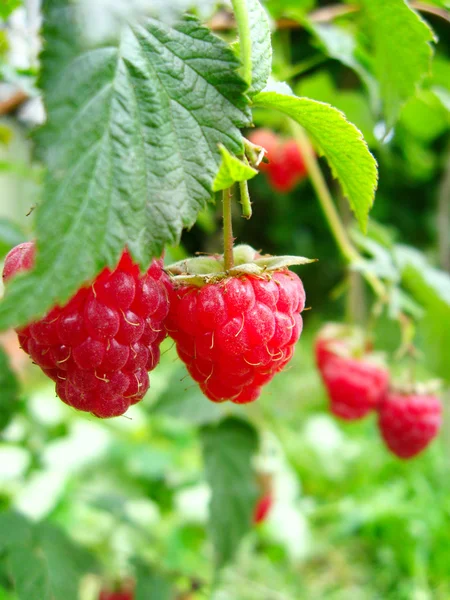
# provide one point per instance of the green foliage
(228, 449)
(150, 584)
(400, 41)
(339, 141)
(41, 561)
(9, 391)
(118, 147)
(341, 44)
(8, 6)
(431, 288)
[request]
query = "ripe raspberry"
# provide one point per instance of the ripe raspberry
(409, 421)
(286, 166)
(355, 385)
(235, 334)
(118, 595)
(100, 345)
(262, 508)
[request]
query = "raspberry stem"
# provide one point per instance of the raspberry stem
(227, 230)
(318, 182)
(245, 197)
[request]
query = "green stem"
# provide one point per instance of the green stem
(246, 203)
(227, 230)
(243, 22)
(347, 249)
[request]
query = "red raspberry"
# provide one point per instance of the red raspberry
(262, 508)
(236, 334)
(355, 385)
(100, 345)
(286, 165)
(409, 422)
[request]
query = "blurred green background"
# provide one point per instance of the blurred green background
(348, 520)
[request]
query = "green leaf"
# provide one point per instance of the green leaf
(430, 287)
(7, 7)
(29, 573)
(400, 42)
(15, 530)
(228, 449)
(9, 396)
(66, 562)
(339, 141)
(150, 584)
(131, 146)
(231, 171)
(10, 235)
(261, 46)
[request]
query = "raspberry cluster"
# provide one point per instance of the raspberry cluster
(408, 419)
(286, 167)
(236, 334)
(99, 347)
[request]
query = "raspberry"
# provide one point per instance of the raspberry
(286, 166)
(100, 345)
(118, 595)
(409, 421)
(235, 334)
(355, 385)
(262, 508)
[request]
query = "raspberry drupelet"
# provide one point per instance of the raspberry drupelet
(99, 347)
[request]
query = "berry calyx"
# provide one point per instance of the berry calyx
(409, 420)
(99, 347)
(356, 380)
(235, 329)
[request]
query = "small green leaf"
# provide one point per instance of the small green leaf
(9, 395)
(231, 171)
(131, 147)
(228, 449)
(339, 141)
(400, 41)
(261, 46)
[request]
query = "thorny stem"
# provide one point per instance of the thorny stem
(227, 230)
(338, 230)
(240, 9)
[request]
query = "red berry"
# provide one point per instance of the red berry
(99, 346)
(262, 508)
(355, 385)
(409, 422)
(286, 166)
(236, 334)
